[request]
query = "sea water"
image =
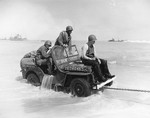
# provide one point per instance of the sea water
(129, 61)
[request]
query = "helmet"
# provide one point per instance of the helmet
(48, 42)
(92, 37)
(69, 28)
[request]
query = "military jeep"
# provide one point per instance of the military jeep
(69, 73)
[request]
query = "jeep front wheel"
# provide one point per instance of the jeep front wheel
(80, 87)
(33, 79)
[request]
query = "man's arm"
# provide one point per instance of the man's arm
(84, 50)
(95, 54)
(60, 39)
(70, 42)
(44, 53)
(66, 39)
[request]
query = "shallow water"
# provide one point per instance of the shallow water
(128, 61)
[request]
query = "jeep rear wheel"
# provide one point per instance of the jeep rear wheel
(80, 87)
(33, 79)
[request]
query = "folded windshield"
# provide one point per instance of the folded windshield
(65, 55)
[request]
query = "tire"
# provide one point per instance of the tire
(80, 87)
(33, 79)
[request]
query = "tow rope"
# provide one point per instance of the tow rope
(125, 89)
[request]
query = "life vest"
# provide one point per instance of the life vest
(90, 52)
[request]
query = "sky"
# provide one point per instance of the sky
(45, 19)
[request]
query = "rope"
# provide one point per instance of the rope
(125, 89)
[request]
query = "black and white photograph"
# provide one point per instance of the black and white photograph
(74, 58)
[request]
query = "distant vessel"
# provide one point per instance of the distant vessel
(113, 40)
(17, 38)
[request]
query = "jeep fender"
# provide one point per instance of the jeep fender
(37, 71)
(69, 77)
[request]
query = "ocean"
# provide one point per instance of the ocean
(129, 61)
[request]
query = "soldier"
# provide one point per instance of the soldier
(89, 57)
(43, 56)
(64, 38)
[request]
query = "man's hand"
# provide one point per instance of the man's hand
(49, 51)
(99, 60)
(64, 45)
(93, 58)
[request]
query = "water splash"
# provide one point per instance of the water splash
(47, 81)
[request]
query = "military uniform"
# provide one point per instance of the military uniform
(94, 63)
(63, 38)
(42, 55)
(89, 57)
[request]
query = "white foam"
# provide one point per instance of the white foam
(47, 81)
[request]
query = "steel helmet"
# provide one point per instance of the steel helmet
(92, 37)
(48, 42)
(69, 28)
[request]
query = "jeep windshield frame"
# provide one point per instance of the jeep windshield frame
(66, 55)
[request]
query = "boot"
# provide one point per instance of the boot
(49, 71)
(109, 75)
(102, 79)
